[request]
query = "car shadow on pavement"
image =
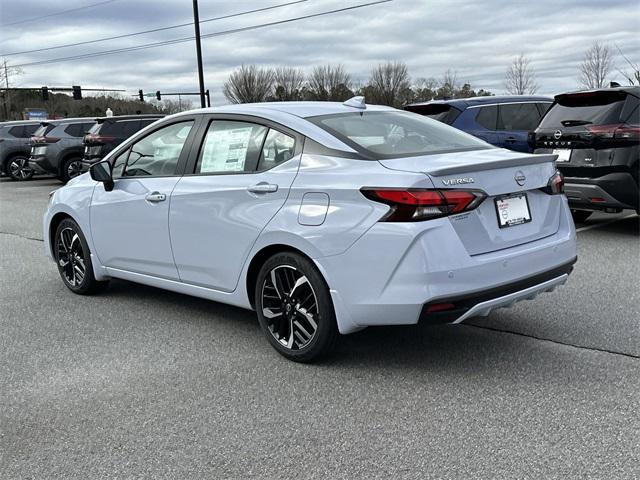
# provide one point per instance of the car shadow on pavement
(448, 347)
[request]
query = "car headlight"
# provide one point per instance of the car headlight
(51, 195)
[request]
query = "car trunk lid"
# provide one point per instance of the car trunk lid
(513, 184)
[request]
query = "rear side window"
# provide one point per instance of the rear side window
(231, 146)
(23, 131)
(278, 148)
(436, 111)
(518, 116)
(96, 128)
(127, 128)
(589, 108)
(73, 130)
(488, 117)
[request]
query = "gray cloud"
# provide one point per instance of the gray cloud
(477, 39)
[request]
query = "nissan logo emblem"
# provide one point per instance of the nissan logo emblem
(520, 178)
(557, 134)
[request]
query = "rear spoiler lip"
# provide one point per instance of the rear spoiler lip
(492, 165)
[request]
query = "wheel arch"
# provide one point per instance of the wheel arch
(53, 226)
(259, 259)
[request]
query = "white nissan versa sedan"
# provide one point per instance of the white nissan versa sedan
(323, 217)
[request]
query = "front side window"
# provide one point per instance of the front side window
(518, 116)
(392, 134)
(231, 146)
(157, 154)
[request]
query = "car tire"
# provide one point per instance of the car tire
(72, 167)
(580, 216)
(17, 168)
(294, 307)
(73, 258)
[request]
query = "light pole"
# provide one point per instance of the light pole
(196, 24)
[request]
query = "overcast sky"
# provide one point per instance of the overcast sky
(476, 39)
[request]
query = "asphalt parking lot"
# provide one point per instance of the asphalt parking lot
(139, 382)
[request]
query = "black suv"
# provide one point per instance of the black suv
(14, 148)
(596, 135)
(109, 132)
(56, 147)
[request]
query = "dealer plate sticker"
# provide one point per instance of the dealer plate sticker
(564, 155)
(512, 210)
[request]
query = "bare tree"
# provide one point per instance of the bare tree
(633, 76)
(288, 82)
(520, 77)
(329, 83)
(6, 73)
(448, 84)
(596, 66)
(390, 83)
(248, 84)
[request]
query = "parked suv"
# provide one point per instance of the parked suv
(501, 121)
(14, 148)
(109, 132)
(56, 147)
(596, 135)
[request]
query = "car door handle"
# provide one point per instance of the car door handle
(156, 197)
(263, 187)
(511, 139)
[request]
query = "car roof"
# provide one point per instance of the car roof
(13, 123)
(631, 90)
(59, 121)
(298, 109)
(463, 103)
(115, 118)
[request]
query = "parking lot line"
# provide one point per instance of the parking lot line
(598, 225)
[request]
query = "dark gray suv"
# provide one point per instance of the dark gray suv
(57, 148)
(14, 148)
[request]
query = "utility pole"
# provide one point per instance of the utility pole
(196, 23)
(6, 93)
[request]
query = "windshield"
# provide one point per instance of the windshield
(580, 109)
(391, 134)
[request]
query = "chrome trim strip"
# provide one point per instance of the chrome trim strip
(485, 308)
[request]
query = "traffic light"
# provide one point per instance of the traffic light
(45, 94)
(77, 92)
(141, 95)
(158, 95)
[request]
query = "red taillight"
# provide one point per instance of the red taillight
(95, 138)
(43, 139)
(555, 185)
(619, 131)
(414, 205)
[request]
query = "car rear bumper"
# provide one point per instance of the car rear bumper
(615, 190)
(394, 272)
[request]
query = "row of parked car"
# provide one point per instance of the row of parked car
(595, 134)
(64, 148)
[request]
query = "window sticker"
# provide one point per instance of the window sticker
(226, 150)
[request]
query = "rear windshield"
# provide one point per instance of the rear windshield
(43, 130)
(391, 134)
(437, 111)
(574, 110)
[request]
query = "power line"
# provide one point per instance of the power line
(61, 12)
(188, 39)
(160, 29)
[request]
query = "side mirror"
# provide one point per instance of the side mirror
(102, 172)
